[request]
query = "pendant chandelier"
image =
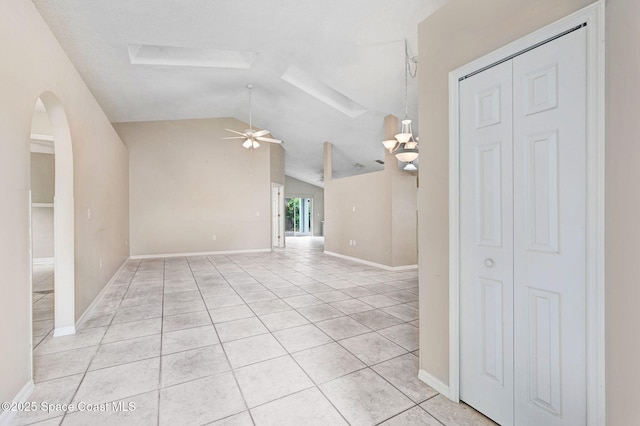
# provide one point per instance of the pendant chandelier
(404, 146)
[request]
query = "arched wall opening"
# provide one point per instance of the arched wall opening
(63, 218)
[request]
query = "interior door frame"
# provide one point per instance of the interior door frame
(593, 16)
(280, 202)
(301, 197)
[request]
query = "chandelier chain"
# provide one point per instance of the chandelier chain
(407, 73)
(250, 86)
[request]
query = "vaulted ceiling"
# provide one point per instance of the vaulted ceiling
(322, 70)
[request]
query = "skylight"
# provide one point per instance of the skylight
(146, 54)
(322, 91)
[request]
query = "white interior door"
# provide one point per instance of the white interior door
(277, 215)
(549, 113)
(523, 237)
(486, 245)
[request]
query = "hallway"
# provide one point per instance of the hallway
(42, 302)
(287, 337)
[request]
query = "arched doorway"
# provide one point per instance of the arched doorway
(63, 214)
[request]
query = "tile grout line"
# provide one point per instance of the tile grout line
(164, 265)
(299, 366)
(232, 368)
(290, 355)
(235, 379)
(84, 375)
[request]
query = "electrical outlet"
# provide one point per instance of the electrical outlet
(213, 237)
(354, 208)
(354, 242)
(88, 213)
(257, 213)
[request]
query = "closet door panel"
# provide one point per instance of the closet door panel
(486, 246)
(549, 163)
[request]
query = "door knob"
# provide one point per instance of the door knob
(488, 262)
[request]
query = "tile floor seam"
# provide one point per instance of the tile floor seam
(131, 338)
(411, 408)
(296, 362)
(84, 375)
(231, 369)
(332, 404)
(365, 367)
(397, 388)
(282, 397)
(397, 414)
(432, 414)
(345, 348)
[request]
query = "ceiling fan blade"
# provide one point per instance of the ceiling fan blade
(261, 133)
(261, 139)
(237, 133)
(234, 137)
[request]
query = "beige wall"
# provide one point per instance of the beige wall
(188, 185)
(42, 177)
(622, 211)
(42, 232)
(383, 224)
(369, 225)
(276, 153)
(40, 124)
(295, 187)
(404, 219)
(42, 189)
(34, 62)
(463, 30)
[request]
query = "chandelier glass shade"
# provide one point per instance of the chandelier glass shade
(406, 155)
(389, 144)
(410, 167)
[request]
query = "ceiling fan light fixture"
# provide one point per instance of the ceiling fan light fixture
(252, 136)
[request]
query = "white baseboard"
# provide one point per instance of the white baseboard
(44, 261)
(87, 312)
(434, 383)
(377, 265)
(64, 331)
(202, 253)
(7, 416)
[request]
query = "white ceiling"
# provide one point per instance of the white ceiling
(349, 53)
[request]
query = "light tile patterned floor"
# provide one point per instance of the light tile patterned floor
(292, 337)
(42, 299)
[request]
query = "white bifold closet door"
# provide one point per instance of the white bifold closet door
(523, 236)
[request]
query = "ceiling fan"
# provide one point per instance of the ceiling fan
(252, 137)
